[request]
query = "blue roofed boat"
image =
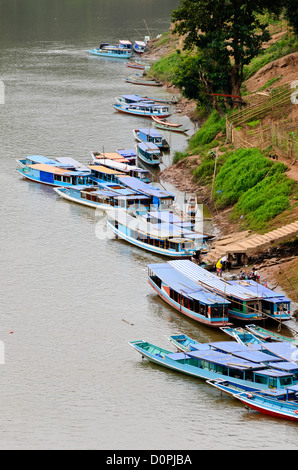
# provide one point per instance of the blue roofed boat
(274, 305)
(143, 109)
(104, 199)
(149, 153)
(209, 364)
(62, 171)
(149, 135)
(187, 297)
(161, 238)
(139, 47)
(283, 350)
(244, 305)
(122, 50)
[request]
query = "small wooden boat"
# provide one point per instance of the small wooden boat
(138, 80)
(149, 153)
(137, 65)
(267, 335)
(143, 109)
(139, 47)
(208, 364)
(168, 126)
(149, 135)
(123, 50)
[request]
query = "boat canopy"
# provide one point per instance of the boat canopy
(106, 170)
(185, 286)
(41, 159)
(282, 349)
(150, 132)
(226, 360)
(148, 147)
(137, 185)
(56, 170)
(242, 351)
(127, 153)
(261, 291)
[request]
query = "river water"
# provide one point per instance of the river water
(71, 299)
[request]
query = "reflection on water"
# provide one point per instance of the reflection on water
(73, 301)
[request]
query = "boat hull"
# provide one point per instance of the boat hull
(146, 246)
(184, 311)
(275, 408)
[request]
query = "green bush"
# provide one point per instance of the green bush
(208, 131)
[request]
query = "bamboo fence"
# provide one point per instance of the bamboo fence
(280, 135)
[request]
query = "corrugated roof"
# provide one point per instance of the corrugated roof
(185, 286)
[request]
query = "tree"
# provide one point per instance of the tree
(228, 35)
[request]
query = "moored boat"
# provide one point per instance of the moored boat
(54, 172)
(208, 364)
(139, 47)
(122, 50)
(104, 199)
(188, 298)
(144, 109)
(140, 80)
(168, 126)
(242, 336)
(268, 335)
(286, 408)
(161, 238)
(243, 305)
(149, 153)
(149, 136)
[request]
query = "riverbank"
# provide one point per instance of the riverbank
(279, 258)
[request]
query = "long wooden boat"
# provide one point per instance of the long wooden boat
(149, 153)
(143, 109)
(168, 126)
(188, 299)
(54, 172)
(149, 135)
(243, 306)
(137, 80)
(268, 335)
(137, 65)
(165, 239)
(105, 199)
(123, 50)
(285, 409)
(208, 364)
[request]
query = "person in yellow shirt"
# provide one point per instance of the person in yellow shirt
(219, 265)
